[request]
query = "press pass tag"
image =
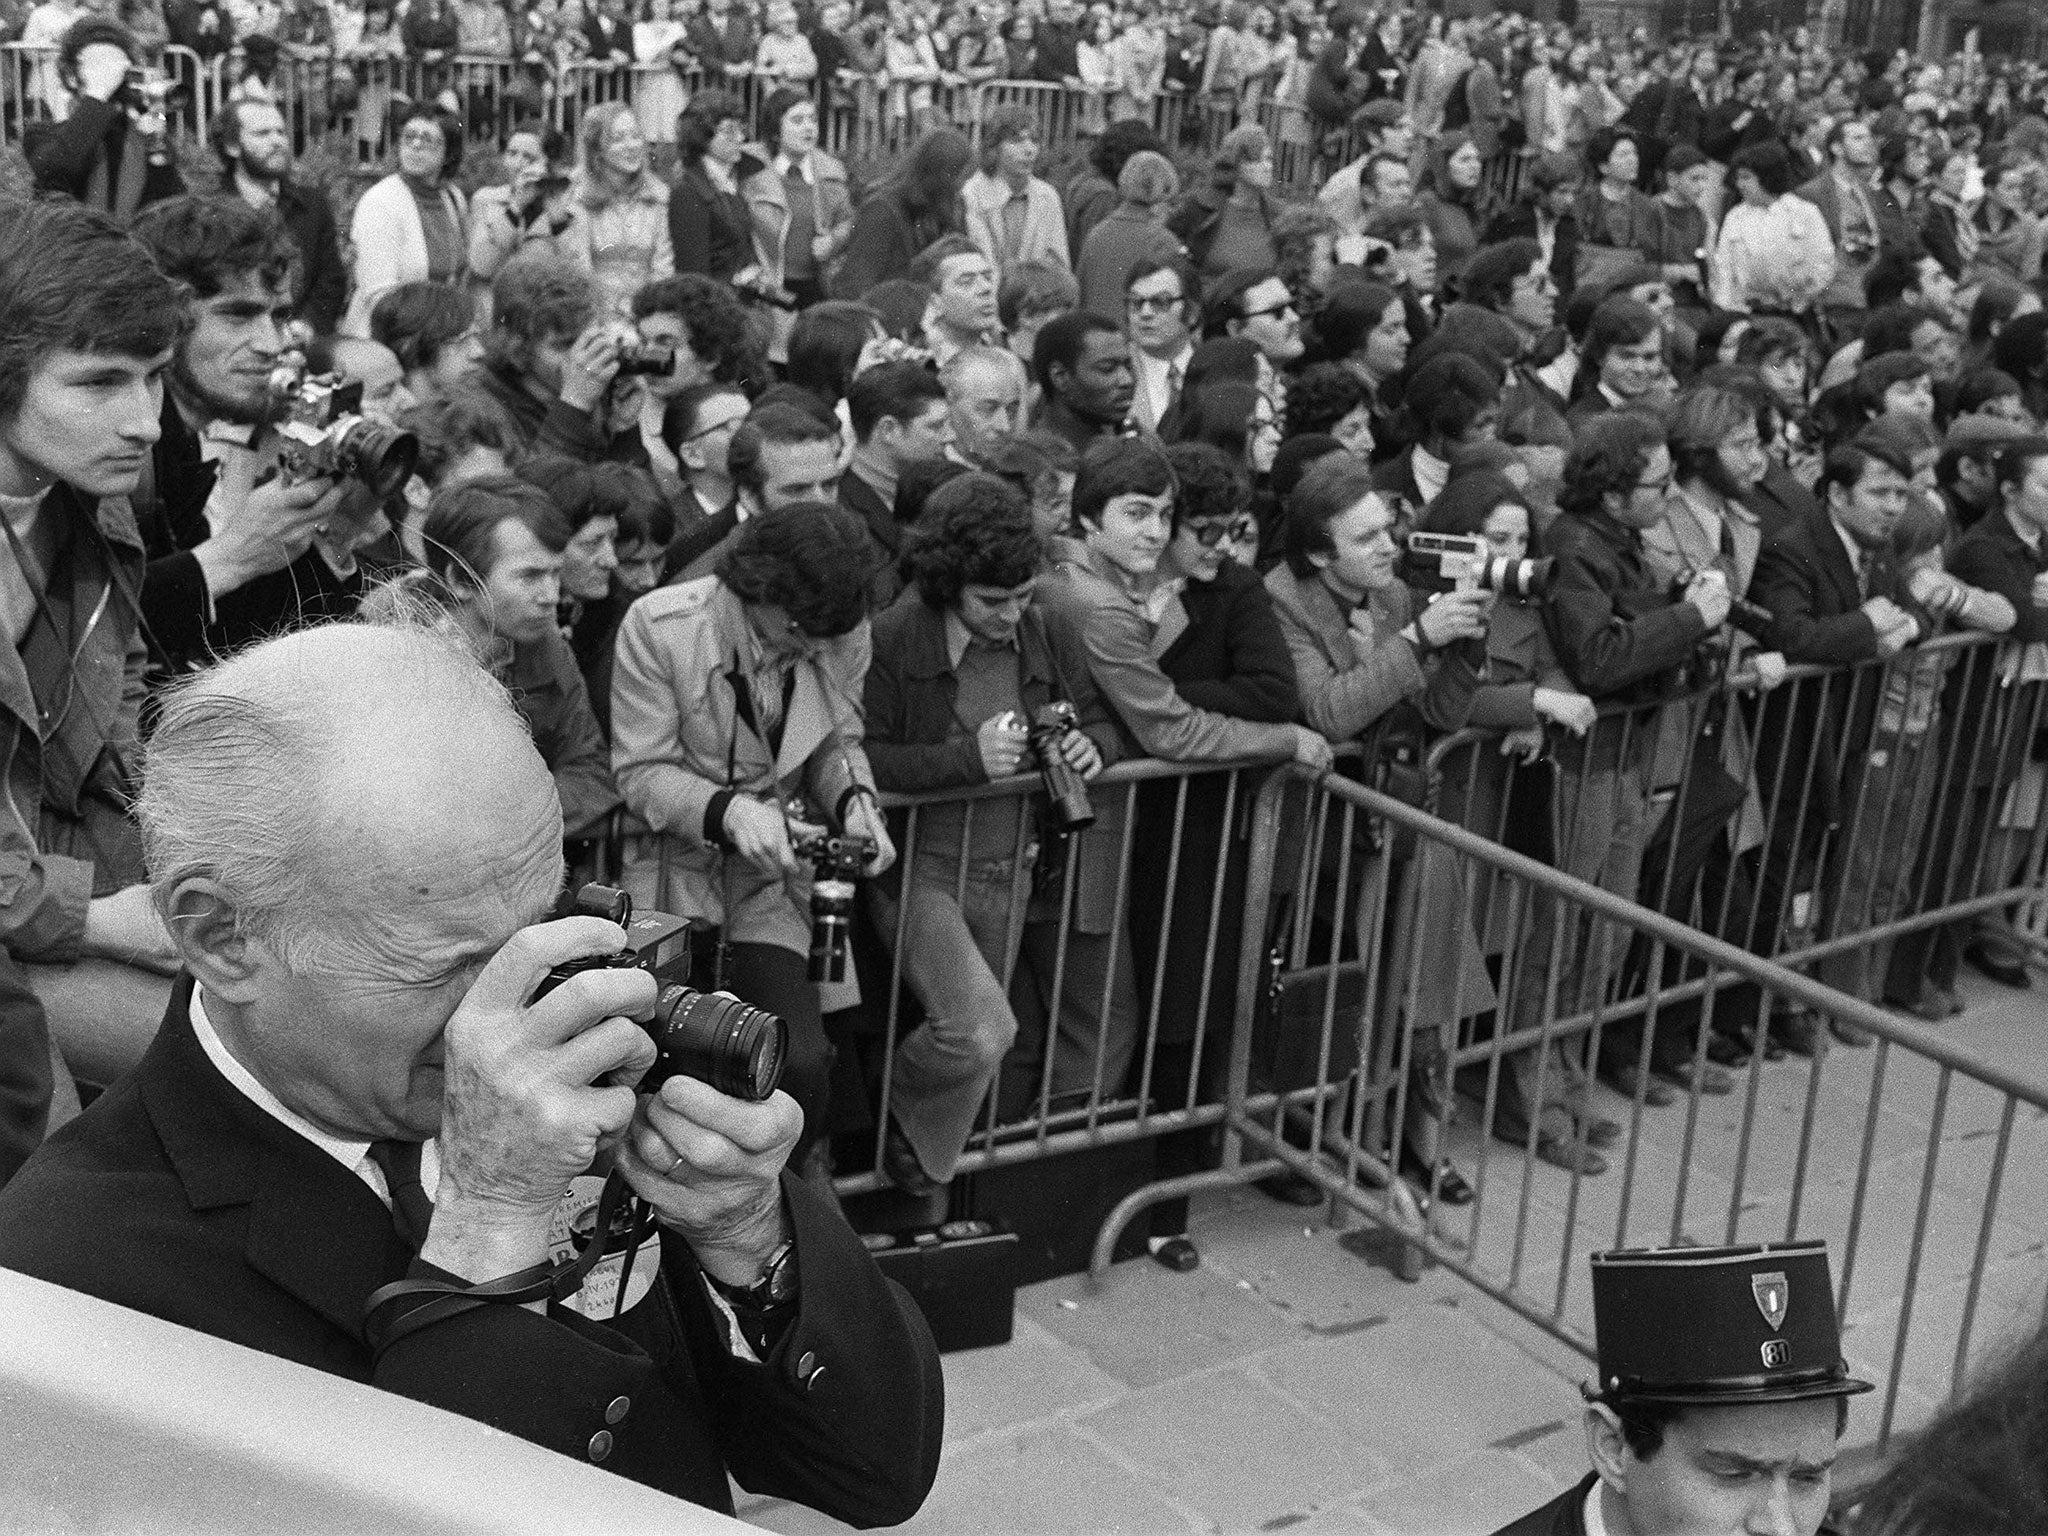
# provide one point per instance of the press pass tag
(598, 1298)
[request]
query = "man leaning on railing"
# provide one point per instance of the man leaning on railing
(963, 689)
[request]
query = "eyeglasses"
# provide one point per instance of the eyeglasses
(1239, 530)
(428, 137)
(1278, 309)
(716, 426)
(1152, 303)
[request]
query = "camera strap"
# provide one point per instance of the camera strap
(406, 1306)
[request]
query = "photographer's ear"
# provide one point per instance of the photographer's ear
(206, 924)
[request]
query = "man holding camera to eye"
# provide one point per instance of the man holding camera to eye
(238, 547)
(359, 1086)
(736, 724)
(563, 371)
(113, 152)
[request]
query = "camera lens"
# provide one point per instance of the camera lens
(736, 1048)
(380, 456)
(831, 928)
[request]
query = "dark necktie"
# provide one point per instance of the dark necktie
(411, 1210)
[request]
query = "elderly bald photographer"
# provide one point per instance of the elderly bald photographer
(367, 1134)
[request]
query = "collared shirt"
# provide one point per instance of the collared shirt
(352, 1155)
(1431, 473)
(1596, 1517)
(1159, 381)
(1859, 562)
(787, 165)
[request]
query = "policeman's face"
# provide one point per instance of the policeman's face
(1758, 1470)
(86, 418)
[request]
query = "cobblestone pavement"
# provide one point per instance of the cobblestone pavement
(1292, 1383)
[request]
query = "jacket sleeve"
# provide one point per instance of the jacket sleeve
(689, 228)
(1261, 684)
(326, 278)
(1165, 724)
(1787, 583)
(1979, 562)
(60, 156)
(1602, 649)
(1343, 704)
(375, 236)
(577, 756)
(899, 763)
(648, 756)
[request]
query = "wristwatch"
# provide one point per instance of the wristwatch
(776, 1287)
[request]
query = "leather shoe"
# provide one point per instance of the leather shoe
(1291, 1188)
(1561, 1152)
(1626, 1080)
(2001, 969)
(1174, 1253)
(1926, 1004)
(1727, 1051)
(1600, 1131)
(1714, 1081)
(1799, 1032)
(1451, 1186)
(901, 1167)
(1855, 1038)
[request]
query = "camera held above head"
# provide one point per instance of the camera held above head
(736, 1048)
(327, 436)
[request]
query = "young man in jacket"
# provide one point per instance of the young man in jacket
(965, 664)
(86, 325)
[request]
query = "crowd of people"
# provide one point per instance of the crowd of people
(772, 497)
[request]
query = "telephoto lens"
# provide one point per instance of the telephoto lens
(831, 924)
(380, 456)
(1526, 579)
(1064, 787)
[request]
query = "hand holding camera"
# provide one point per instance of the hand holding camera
(266, 530)
(759, 833)
(590, 367)
(1002, 742)
(710, 1165)
(1709, 593)
(103, 70)
(531, 1091)
(1453, 616)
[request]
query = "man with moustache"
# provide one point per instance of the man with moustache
(215, 513)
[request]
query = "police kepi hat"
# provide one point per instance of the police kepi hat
(1718, 1325)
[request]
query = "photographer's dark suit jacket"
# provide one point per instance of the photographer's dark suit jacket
(177, 1196)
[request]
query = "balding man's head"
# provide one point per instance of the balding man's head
(332, 783)
(985, 389)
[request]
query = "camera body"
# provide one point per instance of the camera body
(1463, 562)
(651, 359)
(1753, 619)
(147, 89)
(327, 436)
(735, 1047)
(837, 860)
(1065, 790)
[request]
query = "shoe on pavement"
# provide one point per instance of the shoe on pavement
(900, 1165)
(1291, 1188)
(1174, 1253)
(2003, 969)
(1800, 1032)
(1851, 1035)
(1561, 1152)
(1601, 1132)
(1628, 1081)
(1927, 1004)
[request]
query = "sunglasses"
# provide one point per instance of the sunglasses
(1239, 530)
(1152, 304)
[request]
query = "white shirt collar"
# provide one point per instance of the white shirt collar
(347, 1153)
(1431, 473)
(1596, 1517)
